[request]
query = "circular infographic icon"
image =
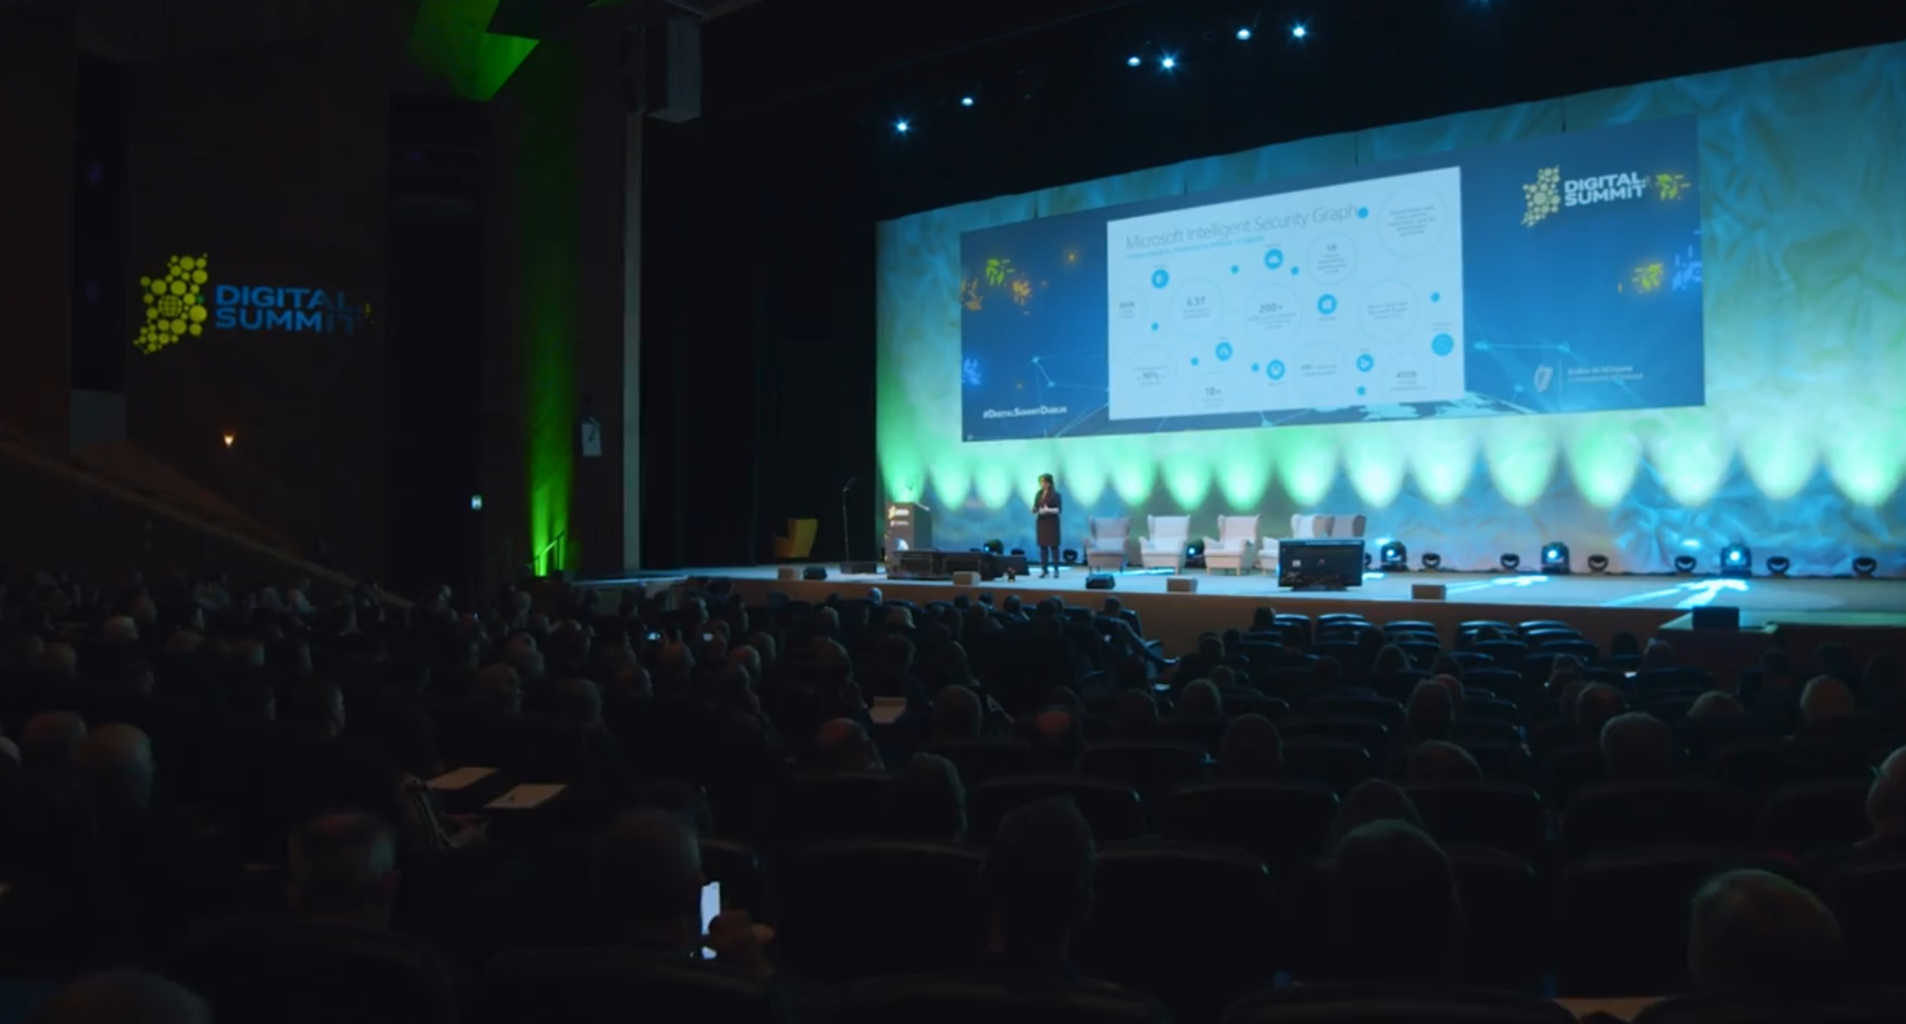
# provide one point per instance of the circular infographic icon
(1413, 222)
(1275, 370)
(1387, 310)
(1160, 278)
(1273, 258)
(1333, 258)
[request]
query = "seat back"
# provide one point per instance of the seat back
(1338, 764)
(1815, 816)
(1496, 815)
(1114, 529)
(1238, 529)
(984, 758)
(1508, 915)
(598, 985)
(1282, 822)
(1393, 1004)
(279, 969)
(1868, 898)
(1625, 813)
(966, 998)
(1146, 765)
(1112, 808)
(855, 909)
(1311, 527)
(1150, 896)
(1167, 530)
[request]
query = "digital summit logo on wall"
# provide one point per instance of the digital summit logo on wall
(1548, 194)
(177, 307)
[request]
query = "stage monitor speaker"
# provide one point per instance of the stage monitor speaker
(1717, 617)
(1429, 592)
(1101, 581)
(1181, 584)
(672, 64)
(966, 578)
(814, 572)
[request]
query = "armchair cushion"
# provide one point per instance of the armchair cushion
(1167, 532)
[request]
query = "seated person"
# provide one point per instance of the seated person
(1399, 917)
(1057, 742)
(1436, 762)
(926, 800)
(649, 877)
(1637, 746)
(1373, 800)
(1430, 712)
(1252, 750)
(1037, 883)
(843, 745)
(122, 997)
(1754, 933)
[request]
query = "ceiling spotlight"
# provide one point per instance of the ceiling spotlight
(1133, 61)
(966, 101)
(1598, 563)
(1168, 63)
(1864, 567)
(1684, 564)
(1299, 31)
(1555, 558)
(1736, 560)
(1510, 561)
(1778, 565)
(1432, 561)
(902, 126)
(1244, 33)
(1393, 556)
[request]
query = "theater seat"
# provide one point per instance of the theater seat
(1282, 822)
(981, 760)
(973, 998)
(1623, 926)
(1151, 896)
(277, 969)
(1497, 815)
(844, 805)
(1147, 765)
(1868, 898)
(1507, 918)
(1335, 763)
(1693, 812)
(854, 909)
(1815, 816)
(1111, 807)
(1853, 1006)
(599, 985)
(1384, 1004)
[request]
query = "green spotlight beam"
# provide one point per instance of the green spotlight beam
(452, 39)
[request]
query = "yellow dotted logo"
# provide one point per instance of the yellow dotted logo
(175, 304)
(1543, 196)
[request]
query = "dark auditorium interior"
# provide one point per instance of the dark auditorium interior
(378, 378)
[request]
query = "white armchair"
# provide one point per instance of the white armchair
(1107, 543)
(1164, 543)
(1235, 546)
(1309, 527)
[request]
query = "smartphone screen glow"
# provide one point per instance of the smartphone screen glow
(711, 908)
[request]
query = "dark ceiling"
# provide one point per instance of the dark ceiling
(1056, 102)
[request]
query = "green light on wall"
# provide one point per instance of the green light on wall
(452, 39)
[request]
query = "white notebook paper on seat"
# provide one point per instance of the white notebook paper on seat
(525, 798)
(462, 778)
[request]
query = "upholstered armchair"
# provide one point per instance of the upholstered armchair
(1164, 543)
(1235, 546)
(1107, 543)
(1309, 527)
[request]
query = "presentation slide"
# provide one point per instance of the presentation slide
(1330, 297)
(1557, 274)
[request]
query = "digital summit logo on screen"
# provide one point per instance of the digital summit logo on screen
(177, 307)
(1549, 194)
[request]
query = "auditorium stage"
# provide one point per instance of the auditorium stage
(1599, 605)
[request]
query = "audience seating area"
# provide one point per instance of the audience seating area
(275, 805)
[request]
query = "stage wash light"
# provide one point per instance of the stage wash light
(1393, 556)
(1555, 560)
(1510, 560)
(1779, 565)
(1736, 560)
(1684, 564)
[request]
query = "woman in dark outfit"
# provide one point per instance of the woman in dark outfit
(1046, 507)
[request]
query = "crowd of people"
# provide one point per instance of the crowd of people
(230, 800)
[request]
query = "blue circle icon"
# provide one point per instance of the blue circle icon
(1366, 362)
(1362, 212)
(1154, 326)
(1442, 344)
(1224, 351)
(1160, 278)
(1194, 360)
(1327, 304)
(1254, 367)
(1436, 296)
(1293, 271)
(1276, 370)
(1360, 390)
(1274, 259)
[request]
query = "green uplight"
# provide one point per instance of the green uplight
(452, 39)
(1521, 457)
(1443, 458)
(1188, 478)
(1691, 454)
(1373, 459)
(1306, 464)
(1603, 458)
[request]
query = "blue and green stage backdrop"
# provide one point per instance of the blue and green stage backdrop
(1695, 279)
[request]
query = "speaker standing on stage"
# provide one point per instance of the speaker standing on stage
(1046, 507)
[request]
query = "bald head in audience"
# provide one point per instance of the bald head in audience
(1755, 932)
(116, 762)
(1595, 706)
(343, 870)
(1251, 748)
(1715, 704)
(1430, 712)
(122, 997)
(50, 739)
(649, 876)
(1637, 746)
(1200, 699)
(1454, 686)
(1886, 798)
(842, 745)
(1398, 913)
(58, 660)
(1436, 762)
(956, 714)
(1057, 741)
(497, 689)
(926, 800)
(1825, 698)
(1134, 714)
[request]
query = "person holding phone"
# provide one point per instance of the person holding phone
(649, 876)
(1046, 507)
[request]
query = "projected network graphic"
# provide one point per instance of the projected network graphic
(1331, 297)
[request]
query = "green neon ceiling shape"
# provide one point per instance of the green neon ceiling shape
(452, 39)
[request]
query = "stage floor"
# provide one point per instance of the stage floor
(1758, 595)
